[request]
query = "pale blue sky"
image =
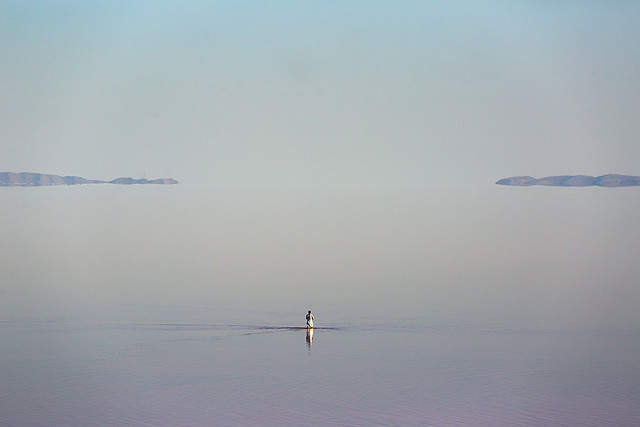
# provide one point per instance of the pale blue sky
(338, 94)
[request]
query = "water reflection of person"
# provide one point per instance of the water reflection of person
(309, 337)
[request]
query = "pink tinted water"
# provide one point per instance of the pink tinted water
(77, 372)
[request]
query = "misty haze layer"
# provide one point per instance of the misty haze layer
(533, 256)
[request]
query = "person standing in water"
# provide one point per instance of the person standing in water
(309, 319)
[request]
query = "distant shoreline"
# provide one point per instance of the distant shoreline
(610, 180)
(32, 179)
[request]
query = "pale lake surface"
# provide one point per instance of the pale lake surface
(80, 371)
(180, 306)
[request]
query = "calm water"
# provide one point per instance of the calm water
(182, 306)
(96, 370)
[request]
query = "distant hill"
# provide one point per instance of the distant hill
(611, 180)
(30, 179)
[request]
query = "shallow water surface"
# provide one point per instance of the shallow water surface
(81, 371)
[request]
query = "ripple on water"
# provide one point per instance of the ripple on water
(199, 374)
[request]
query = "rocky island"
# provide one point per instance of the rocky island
(610, 180)
(31, 179)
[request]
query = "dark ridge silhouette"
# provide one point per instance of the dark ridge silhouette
(31, 179)
(610, 180)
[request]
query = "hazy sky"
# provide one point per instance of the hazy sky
(320, 93)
